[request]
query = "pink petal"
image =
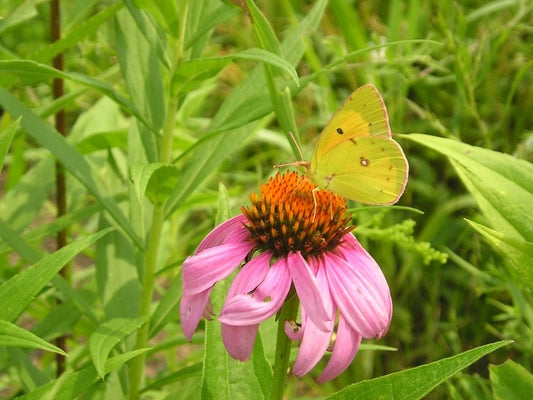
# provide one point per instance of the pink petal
(359, 292)
(312, 297)
(239, 340)
(250, 275)
(263, 302)
(191, 311)
(293, 330)
(225, 232)
(315, 341)
(344, 351)
(211, 265)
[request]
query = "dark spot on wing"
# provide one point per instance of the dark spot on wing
(340, 131)
(365, 162)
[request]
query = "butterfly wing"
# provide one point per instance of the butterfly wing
(371, 170)
(362, 114)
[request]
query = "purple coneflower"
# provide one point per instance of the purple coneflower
(290, 240)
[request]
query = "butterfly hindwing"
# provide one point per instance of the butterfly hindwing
(370, 170)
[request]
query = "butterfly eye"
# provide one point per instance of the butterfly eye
(340, 131)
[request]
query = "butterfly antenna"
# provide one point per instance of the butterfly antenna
(302, 162)
(297, 146)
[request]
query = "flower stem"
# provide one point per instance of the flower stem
(283, 348)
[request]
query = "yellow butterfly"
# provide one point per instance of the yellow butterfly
(355, 155)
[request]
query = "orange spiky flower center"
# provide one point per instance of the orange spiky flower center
(290, 214)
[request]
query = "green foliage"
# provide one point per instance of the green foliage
(176, 110)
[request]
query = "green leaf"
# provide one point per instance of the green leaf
(213, 17)
(156, 181)
(77, 34)
(117, 274)
(140, 67)
(68, 156)
(511, 380)
(519, 251)
(167, 307)
(24, 12)
(39, 72)
(161, 183)
(29, 375)
(415, 383)
(13, 336)
(194, 370)
(18, 244)
(6, 136)
(154, 34)
(20, 205)
(107, 335)
(263, 32)
(225, 378)
(164, 11)
(501, 184)
(19, 291)
(70, 385)
(192, 74)
(103, 141)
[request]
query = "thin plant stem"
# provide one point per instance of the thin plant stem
(283, 348)
(61, 197)
(136, 373)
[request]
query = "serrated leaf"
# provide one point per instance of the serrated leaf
(415, 383)
(13, 336)
(511, 380)
(501, 184)
(20, 290)
(107, 335)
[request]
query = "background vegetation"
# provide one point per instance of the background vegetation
(176, 110)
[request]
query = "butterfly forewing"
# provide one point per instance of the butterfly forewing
(362, 114)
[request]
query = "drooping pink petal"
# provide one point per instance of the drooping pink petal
(363, 303)
(344, 351)
(250, 275)
(211, 265)
(239, 340)
(227, 231)
(315, 341)
(263, 302)
(356, 255)
(191, 310)
(293, 330)
(310, 294)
